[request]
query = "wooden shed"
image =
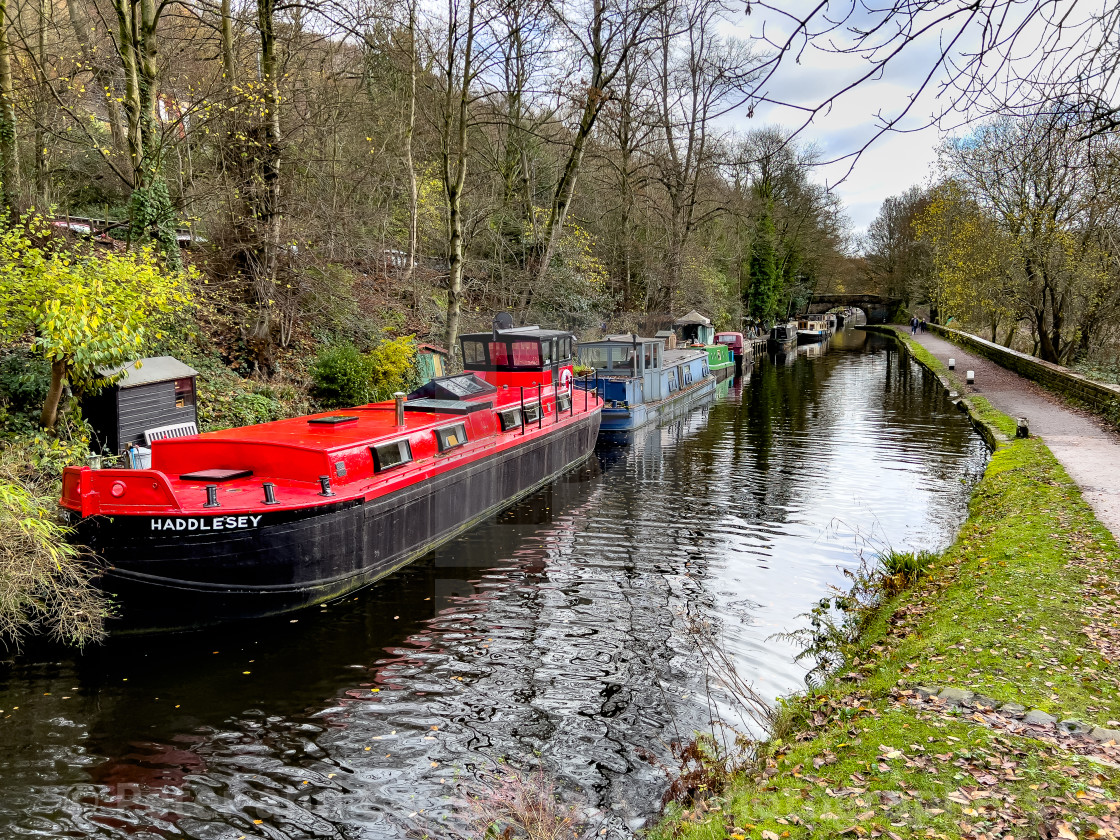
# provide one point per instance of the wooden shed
(431, 362)
(158, 393)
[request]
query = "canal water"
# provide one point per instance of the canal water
(554, 639)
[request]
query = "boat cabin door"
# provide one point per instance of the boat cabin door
(556, 353)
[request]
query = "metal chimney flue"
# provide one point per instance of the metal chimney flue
(399, 398)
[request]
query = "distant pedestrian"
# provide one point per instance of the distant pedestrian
(922, 326)
(913, 324)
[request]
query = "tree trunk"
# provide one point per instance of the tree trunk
(9, 162)
(147, 63)
(1007, 339)
(268, 207)
(127, 34)
(410, 126)
(455, 167)
(41, 195)
(1046, 349)
(228, 67)
(49, 417)
(566, 187)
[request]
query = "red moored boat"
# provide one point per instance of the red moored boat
(266, 519)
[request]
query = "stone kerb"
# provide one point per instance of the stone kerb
(1101, 397)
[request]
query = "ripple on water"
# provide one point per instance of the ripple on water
(554, 636)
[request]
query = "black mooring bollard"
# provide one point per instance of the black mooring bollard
(270, 493)
(211, 496)
(325, 484)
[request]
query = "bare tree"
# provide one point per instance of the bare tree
(1035, 177)
(460, 59)
(9, 160)
(894, 254)
(696, 74)
(602, 33)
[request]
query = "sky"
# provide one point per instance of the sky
(895, 161)
(1033, 38)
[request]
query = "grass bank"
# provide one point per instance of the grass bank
(1024, 608)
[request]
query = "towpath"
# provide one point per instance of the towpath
(1082, 442)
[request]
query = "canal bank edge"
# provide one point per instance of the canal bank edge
(957, 713)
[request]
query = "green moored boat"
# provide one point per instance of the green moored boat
(695, 330)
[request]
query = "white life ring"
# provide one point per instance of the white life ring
(566, 379)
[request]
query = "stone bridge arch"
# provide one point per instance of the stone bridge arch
(879, 309)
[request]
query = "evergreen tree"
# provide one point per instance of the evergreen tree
(763, 281)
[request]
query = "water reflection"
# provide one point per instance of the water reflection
(554, 635)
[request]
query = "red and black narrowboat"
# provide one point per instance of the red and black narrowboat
(266, 519)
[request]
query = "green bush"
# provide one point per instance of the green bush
(248, 409)
(46, 582)
(394, 367)
(24, 380)
(342, 376)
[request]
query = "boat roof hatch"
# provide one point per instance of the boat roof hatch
(461, 386)
(447, 406)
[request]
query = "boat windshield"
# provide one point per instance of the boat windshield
(506, 351)
(606, 357)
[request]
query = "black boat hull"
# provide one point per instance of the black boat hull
(179, 577)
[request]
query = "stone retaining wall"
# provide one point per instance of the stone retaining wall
(1102, 398)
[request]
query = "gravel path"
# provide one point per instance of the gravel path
(1085, 445)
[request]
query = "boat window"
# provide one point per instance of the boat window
(526, 353)
(510, 418)
(704, 371)
(391, 454)
(649, 356)
(499, 353)
(563, 402)
(532, 413)
(596, 357)
(686, 376)
(451, 436)
(548, 350)
(474, 353)
(672, 381)
(565, 349)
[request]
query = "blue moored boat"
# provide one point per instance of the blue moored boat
(643, 382)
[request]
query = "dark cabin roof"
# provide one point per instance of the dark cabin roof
(515, 332)
(157, 369)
